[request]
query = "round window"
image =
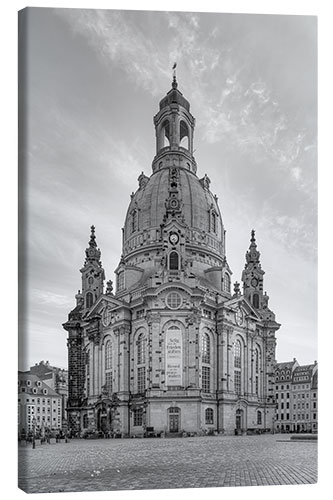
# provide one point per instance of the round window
(174, 300)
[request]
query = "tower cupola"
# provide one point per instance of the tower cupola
(252, 276)
(92, 272)
(174, 127)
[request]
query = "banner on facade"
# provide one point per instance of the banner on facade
(174, 365)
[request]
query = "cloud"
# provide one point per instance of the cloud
(44, 297)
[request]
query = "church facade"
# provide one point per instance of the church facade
(174, 348)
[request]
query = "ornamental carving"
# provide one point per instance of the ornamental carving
(193, 318)
(153, 317)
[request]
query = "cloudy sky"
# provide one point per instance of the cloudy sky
(93, 84)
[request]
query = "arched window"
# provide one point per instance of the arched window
(237, 366)
(89, 299)
(227, 282)
(141, 360)
(108, 366)
(259, 417)
(141, 349)
(134, 221)
(85, 421)
(255, 300)
(205, 348)
(184, 135)
(165, 134)
(121, 281)
(209, 416)
(205, 359)
(213, 222)
(173, 261)
(257, 370)
(108, 355)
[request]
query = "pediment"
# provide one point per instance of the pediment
(174, 224)
(102, 302)
(242, 303)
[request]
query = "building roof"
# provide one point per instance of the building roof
(37, 387)
(285, 364)
(303, 373)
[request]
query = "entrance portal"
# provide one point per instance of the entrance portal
(239, 419)
(174, 419)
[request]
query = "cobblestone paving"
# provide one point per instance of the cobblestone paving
(136, 464)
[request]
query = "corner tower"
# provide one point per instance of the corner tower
(92, 273)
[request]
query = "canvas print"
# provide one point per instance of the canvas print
(168, 250)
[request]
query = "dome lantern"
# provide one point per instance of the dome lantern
(174, 127)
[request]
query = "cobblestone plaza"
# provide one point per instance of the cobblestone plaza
(137, 464)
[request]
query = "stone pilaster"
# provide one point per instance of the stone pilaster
(155, 355)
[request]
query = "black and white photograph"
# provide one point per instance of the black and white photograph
(167, 296)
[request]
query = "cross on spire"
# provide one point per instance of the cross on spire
(92, 242)
(174, 80)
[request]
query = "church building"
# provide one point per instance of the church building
(174, 348)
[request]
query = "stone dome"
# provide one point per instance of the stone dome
(198, 206)
(173, 225)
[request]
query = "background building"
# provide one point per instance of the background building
(283, 391)
(56, 378)
(174, 348)
(314, 401)
(296, 397)
(39, 406)
(302, 410)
